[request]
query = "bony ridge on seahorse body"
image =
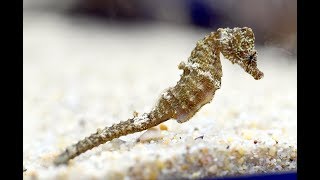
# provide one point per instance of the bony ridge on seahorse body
(200, 79)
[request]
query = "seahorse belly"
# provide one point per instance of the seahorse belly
(193, 91)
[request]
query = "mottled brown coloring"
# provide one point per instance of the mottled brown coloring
(199, 81)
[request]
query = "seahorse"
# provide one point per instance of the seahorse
(198, 83)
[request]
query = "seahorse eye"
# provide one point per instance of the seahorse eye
(252, 57)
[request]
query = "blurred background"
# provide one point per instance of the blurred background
(274, 21)
(91, 63)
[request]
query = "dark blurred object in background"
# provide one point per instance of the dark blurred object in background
(274, 21)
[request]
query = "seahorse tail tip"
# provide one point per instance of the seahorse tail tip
(61, 159)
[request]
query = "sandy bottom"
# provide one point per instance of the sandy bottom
(81, 75)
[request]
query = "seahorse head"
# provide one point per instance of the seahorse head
(237, 45)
